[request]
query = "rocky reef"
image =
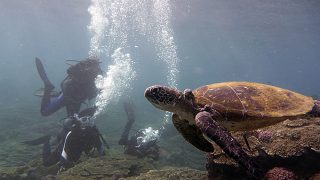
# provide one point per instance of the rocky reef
(291, 144)
(114, 165)
(172, 173)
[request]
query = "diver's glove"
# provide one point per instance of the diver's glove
(62, 167)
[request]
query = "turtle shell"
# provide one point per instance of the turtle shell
(241, 103)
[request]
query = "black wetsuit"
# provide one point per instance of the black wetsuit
(75, 89)
(73, 94)
(75, 141)
(80, 140)
(150, 149)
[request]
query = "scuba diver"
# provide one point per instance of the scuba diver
(82, 136)
(77, 87)
(143, 143)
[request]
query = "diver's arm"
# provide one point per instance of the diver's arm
(130, 114)
(100, 147)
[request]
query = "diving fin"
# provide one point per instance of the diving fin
(40, 93)
(40, 140)
(47, 84)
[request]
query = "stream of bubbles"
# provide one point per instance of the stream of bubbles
(113, 23)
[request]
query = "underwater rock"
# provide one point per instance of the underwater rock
(8, 173)
(280, 173)
(171, 173)
(291, 144)
(114, 165)
(111, 166)
(315, 176)
(32, 170)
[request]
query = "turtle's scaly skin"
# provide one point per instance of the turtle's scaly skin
(248, 106)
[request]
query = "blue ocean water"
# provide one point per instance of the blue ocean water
(185, 44)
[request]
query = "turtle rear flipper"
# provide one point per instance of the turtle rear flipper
(192, 134)
(222, 137)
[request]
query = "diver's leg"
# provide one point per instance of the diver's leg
(49, 105)
(52, 158)
(97, 140)
(222, 137)
(130, 114)
(49, 158)
(48, 87)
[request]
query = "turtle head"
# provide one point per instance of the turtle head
(162, 97)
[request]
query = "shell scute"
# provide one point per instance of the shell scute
(253, 99)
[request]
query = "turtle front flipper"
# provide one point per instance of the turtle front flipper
(192, 134)
(222, 137)
(316, 109)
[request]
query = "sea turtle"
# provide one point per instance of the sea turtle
(209, 112)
